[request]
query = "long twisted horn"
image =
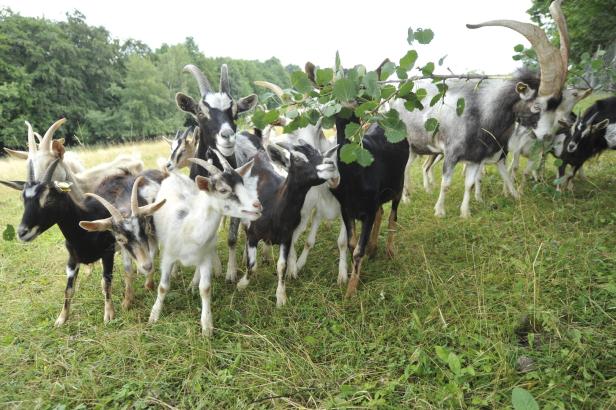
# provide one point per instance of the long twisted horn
(559, 18)
(31, 141)
(115, 214)
(553, 71)
(270, 86)
(48, 172)
(204, 84)
(225, 87)
(203, 163)
(45, 144)
(223, 161)
(134, 196)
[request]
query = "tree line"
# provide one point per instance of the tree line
(110, 91)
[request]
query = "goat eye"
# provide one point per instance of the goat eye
(223, 191)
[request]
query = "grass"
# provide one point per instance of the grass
(441, 326)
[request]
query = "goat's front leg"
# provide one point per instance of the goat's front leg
(374, 234)
(281, 270)
(129, 278)
(310, 240)
(449, 166)
(72, 269)
(153, 249)
(251, 263)
(392, 227)
(234, 225)
(205, 290)
(406, 194)
(166, 266)
(342, 250)
(359, 253)
(106, 286)
(502, 169)
(470, 179)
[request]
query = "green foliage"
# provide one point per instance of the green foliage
(9, 233)
(107, 91)
(521, 399)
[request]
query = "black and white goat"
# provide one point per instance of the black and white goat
(481, 134)
(592, 133)
(48, 202)
(282, 199)
(186, 227)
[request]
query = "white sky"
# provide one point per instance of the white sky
(364, 32)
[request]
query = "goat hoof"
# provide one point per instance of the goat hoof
(391, 254)
(242, 284)
(342, 278)
(60, 321)
(352, 287)
(231, 277)
(126, 304)
(149, 285)
(207, 332)
(439, 213)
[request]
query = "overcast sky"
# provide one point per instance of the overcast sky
(294, 31)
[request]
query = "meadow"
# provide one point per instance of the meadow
(522, 294)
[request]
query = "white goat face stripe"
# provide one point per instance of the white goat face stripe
(30, 192)
(220, 101)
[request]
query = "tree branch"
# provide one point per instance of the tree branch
(451, 76)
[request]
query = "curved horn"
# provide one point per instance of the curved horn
(115, 214)
(243, 170)
(134, 196)
(270, 86)
(31, 142)
(48, 172)
(38, 137)
(559, 18)
(224, 80)
(550, 59)
(223, 161)
(30, 177)
(46, 141)
(204, 84)
(203, 163)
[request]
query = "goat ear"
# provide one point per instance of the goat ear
(18, 185)
(186, 103)
(245, 169)
(331, 152)
(601, 125)
(203, 183)
(247, 103)
(96, 226)
(16, 154)
(279, 155)
(524, 91)
(57, 147)
(564, 124)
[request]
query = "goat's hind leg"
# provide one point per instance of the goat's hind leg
(106, 285)
(205, 290)
(231, 242)
(129, 278)
(392, 227)
(166, 266)
(251, 263)
(449, 165)
(359, 252)
(374, 234)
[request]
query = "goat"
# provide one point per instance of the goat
(282, 199)
(183, 147)
(48, 202)
(186, 227)
(320, 203)
(592, 133)
(481, 134)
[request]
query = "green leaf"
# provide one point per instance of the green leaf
(351, 130)
(454, 363)
(428, 69)
(387, 91)
(261, 119)
(331, 110)
(324, 76)
(460, 104)
(396, 134)
(558, 162)
(436, 99)
(301, 121)
(442, 353)
(408, 61)
(518, 48)
(431, 124)
(9, 233)
(348, 153)
(521, 399)
(300, 81)
(402, 74)
(596, 64)
(424, 36)
(387, 70)
(411, 36)
(421, 93)
(371, 83)
(345, 90)
(441, 60)
(405, 88)
(364, 157)
(366, 107)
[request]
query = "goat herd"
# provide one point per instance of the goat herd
(273, 185)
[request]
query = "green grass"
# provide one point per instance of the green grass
(434, 328)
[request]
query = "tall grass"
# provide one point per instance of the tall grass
(444, 324)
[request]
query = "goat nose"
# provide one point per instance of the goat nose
(257, 205)
(22, 231)
(147, 266)
(227, 133)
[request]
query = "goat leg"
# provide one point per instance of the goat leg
(163, 287)
(392, 227)
(106, 286)
(129, 278)
(72, 269)
(374, 234)
(359, 252)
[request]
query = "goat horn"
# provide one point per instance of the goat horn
(223, 161)
(38, 136)
(203, 163)
(30, 177)
(115, 214)
(31, 142)
(224, 80)
(559, 18)
(134, 196)
(550, 59)
(243, 170)
(45, 144)
(48, 172)
(204, 84)
(270, 86)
